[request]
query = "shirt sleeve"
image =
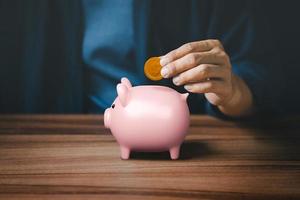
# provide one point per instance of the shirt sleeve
(246, 36)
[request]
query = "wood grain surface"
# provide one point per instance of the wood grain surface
(74, 157)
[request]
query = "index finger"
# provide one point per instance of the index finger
(199, 46)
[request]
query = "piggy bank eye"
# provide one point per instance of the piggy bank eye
(113, 106)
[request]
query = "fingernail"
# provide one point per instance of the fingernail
(163, 61)
(187, 87)
(164, 72)
(176, 81)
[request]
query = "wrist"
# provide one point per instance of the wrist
(240, 102)
(235, 94)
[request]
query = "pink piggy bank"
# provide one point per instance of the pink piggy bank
(148, 119)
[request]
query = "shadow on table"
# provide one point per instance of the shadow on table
(281, 139)
(189, 150)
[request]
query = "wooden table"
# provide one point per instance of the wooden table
(74, 157)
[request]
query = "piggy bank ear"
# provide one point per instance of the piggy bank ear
(126, 82)
(122, 91)
(185, 95)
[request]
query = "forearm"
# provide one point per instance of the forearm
(241, 102)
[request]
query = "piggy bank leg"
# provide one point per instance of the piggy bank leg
(174, 152)
(125, 152)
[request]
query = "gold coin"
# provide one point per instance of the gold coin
(152, 69)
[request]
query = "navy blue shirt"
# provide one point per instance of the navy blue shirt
(62, 57)
(108, 49)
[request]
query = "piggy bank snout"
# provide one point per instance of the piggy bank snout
(107, 118)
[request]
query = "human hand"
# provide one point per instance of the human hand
(205, 67)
